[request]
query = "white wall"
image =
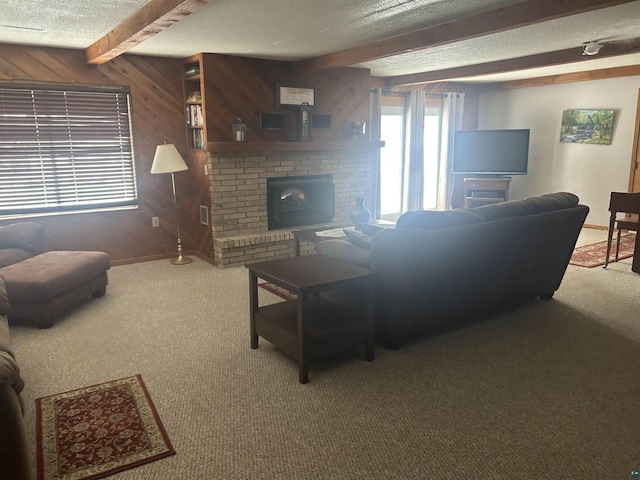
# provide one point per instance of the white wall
(590, 171)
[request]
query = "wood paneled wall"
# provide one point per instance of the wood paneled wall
(157, 116)
(234, 87)
(245, 87)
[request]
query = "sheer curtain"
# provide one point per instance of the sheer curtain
(414, 166)
(452, 109)
(374, 135)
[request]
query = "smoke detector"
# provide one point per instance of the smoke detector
(592, 47)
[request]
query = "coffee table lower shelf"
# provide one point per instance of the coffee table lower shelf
(329, 327)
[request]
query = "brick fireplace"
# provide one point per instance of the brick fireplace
(238, 190)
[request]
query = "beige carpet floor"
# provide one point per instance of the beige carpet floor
(550, 391)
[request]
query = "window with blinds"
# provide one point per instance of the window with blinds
(65, 149)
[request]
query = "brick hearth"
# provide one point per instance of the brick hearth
(238, 184)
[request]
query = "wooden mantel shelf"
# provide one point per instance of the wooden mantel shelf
(253, 147)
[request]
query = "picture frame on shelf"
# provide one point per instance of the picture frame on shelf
(294, 95)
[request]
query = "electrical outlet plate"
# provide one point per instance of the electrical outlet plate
(155, 221)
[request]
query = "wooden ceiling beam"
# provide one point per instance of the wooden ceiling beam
(585, 76)
(571, 55)
(519, 15)
(151, 19)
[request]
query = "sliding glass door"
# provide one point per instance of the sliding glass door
(392, 159)
(432, 130)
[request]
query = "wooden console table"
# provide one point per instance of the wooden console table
(310, 324)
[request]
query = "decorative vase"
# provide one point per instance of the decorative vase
(360, 214)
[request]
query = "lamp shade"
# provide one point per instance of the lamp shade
(167, 160)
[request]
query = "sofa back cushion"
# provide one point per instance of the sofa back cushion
(437, 219)
(487, 213)
(553, 201)
(528, 206)
(9, 256)
(28, 236)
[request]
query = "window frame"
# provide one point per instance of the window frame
(66, 149)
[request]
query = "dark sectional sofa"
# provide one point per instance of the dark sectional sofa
(15, 456)
(437, 269)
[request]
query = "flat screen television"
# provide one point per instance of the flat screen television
(491, 152)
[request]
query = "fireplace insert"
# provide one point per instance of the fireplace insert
(303, 200)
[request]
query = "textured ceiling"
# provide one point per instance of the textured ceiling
(298, 29)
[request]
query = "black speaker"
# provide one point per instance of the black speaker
(320, 121)
(272, 121)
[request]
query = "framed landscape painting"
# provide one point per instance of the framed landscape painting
(586, 126)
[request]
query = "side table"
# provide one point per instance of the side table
(310, 323)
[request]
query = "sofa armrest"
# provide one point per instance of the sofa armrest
(10, 373)
(28, 236)
(4, 302)
(15, 455)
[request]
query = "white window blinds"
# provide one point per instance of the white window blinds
(64, 149)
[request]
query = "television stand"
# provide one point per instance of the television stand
(480, 191)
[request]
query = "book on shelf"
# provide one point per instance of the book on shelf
(197, 139)
(194, 115)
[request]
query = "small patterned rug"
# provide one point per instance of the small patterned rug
(96, 431)
(593, 255)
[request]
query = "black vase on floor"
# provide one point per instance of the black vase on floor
(360, 214)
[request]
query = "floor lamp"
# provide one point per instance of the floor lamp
(168, 160)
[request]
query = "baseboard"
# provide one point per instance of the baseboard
(160, 256)
(148, 258)
(595, 227)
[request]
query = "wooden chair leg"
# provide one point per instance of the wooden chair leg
(609, 235)
(618, 244)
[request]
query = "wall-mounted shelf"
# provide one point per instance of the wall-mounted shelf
(252, 147)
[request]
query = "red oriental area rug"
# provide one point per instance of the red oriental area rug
(96, 431)
(593, 255)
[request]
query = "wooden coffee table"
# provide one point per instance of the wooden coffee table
(311, 324)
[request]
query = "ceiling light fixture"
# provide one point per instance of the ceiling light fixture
(592, 47)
